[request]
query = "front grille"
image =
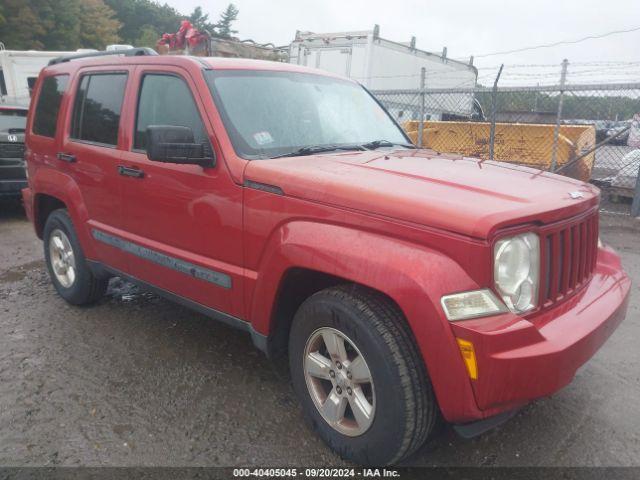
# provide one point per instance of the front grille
(12, 150)
(569, 253)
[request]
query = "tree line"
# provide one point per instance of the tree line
(73, 24)
(594, 106)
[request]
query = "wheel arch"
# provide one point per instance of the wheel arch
(43, 205)
(414, 277)
(53, 189)
(296, 286)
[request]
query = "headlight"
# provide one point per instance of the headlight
(516, 271)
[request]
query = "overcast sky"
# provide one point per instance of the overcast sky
(465, 27)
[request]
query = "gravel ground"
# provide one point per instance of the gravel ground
(139, 381)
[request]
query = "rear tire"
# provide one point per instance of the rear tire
(399, 398)
(68, 269)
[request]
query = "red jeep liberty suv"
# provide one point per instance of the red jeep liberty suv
(402, 284)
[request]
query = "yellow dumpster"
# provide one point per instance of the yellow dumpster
(524, 144)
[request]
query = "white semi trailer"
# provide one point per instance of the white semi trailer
(386, 66)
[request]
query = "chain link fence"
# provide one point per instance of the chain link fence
(582, 130)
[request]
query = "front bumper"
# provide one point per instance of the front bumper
(520, 359)
(11, 188)
(27, 200)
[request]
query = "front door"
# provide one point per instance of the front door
(183, 222)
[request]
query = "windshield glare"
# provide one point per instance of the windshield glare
(12, 119)
(273, 113)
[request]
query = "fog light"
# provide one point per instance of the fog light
(469, 357)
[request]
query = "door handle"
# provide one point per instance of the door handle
(130, 172)
(66, 157)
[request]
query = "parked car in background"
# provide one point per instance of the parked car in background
(621, 139)
(13, 120)
(627, 175)
(602, 128)
(403, 285)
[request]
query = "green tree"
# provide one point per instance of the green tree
(61, 20)
(136, 14)
(14, 33)
(57, 24)
(98, 27)
(227, 18)
(575, 106)
(148, 37)
(72, 24)
(200, 20)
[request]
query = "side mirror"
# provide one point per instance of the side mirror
(175, 144)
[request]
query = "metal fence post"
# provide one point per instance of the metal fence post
(423, 82)
(635, 206)
(556, 132)
(494, 110)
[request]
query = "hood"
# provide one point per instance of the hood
(454, 193)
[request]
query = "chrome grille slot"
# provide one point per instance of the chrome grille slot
(12, 150)
(569, 257)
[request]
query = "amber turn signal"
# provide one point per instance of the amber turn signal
(469, 357)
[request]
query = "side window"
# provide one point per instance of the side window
(166, 100)
(96, 110)
(48, 106)
(3, 85)
(31, 83)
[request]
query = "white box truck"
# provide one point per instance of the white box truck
(19, 71)
(385, 67)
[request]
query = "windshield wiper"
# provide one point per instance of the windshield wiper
(385, 143)
(313, 149)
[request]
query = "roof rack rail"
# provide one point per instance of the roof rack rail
(131, 52)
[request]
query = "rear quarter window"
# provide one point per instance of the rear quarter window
(48, 105)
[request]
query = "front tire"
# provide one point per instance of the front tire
(66, 263)
(360, 377)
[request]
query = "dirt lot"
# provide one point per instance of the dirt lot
(138, 381)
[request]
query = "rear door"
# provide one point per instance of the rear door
(91, 149)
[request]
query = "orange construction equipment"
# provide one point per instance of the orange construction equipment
(524, 144)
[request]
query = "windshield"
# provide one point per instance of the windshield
(12, 119)
(269, 114)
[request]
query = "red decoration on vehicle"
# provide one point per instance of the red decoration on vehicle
(186, 38)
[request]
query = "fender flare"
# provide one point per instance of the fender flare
(413, 276)
(57, 184)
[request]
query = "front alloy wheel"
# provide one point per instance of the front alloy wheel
(359, 375)
(339, 381)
